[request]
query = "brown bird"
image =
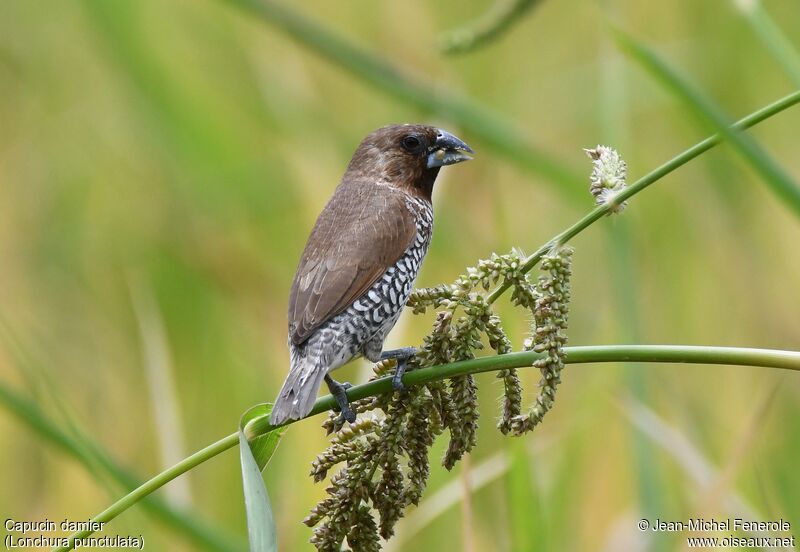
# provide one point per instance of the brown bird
(361, 260)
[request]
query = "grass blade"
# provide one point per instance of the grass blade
(708, 112)
(772, 36)
(262, 444)
(445, 498)
(527, 516)
(260, 522)
(697, 467)
(254, 456)
(789, 360)
(498, 20)
(494, 132)
(161, 384)
(93, 457)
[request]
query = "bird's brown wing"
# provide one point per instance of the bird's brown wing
(358, 236)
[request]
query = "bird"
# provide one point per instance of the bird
(360, 262)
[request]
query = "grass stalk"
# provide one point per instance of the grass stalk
(648, 179)
(494, 131)
(775, 40)
(500, 17)
(767, 358)
(707, 111)
(90, 455)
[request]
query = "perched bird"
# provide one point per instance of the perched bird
(361, 260)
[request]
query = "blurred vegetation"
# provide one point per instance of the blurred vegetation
(183, 150)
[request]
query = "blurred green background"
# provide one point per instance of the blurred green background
(161, 165)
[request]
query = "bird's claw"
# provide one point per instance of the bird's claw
(339, 392)
(348, 415)
(402, 356)
(397, 378)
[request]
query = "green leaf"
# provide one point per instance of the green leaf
(263, 445)
(527, 517)
(708, 112)
(65, 434)
(254, 456)
(494, 132)
(775, 40)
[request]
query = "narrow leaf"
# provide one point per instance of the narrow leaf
(527, 517)
(264, 444)
(254, 456)
(780, 182)
(775, 40)
(495, 132)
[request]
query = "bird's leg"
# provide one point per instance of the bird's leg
(339, 392)
(402, 355)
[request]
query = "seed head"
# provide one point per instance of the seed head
(609, 173)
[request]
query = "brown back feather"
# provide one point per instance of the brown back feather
(364, 229)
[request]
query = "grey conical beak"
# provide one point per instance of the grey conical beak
(448, 150)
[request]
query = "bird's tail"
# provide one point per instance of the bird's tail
(299, 391)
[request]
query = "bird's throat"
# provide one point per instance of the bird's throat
(423, 186)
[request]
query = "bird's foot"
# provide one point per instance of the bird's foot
(339, 392)
(402, 355)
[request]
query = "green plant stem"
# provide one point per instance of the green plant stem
(494, 131)
(655, 175)
(767, 358)
(155, 483)
(94, 458)
(707, 112)
(775, 40)
(500, 17)
(702, 355)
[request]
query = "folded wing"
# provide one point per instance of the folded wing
(357, 237)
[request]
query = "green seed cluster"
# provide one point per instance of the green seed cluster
(387, 497)
(422, 428)
(364, 536)
(549, 325)
(386, 465)
(344, 446)
(384, 455)
(609, 172)
(342, 508)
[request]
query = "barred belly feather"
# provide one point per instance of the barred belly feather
(360, 329)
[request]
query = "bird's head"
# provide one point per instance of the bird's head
(407, 156)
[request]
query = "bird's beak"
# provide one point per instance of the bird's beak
(448, 150)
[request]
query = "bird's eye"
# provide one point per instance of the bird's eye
(411, 143)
